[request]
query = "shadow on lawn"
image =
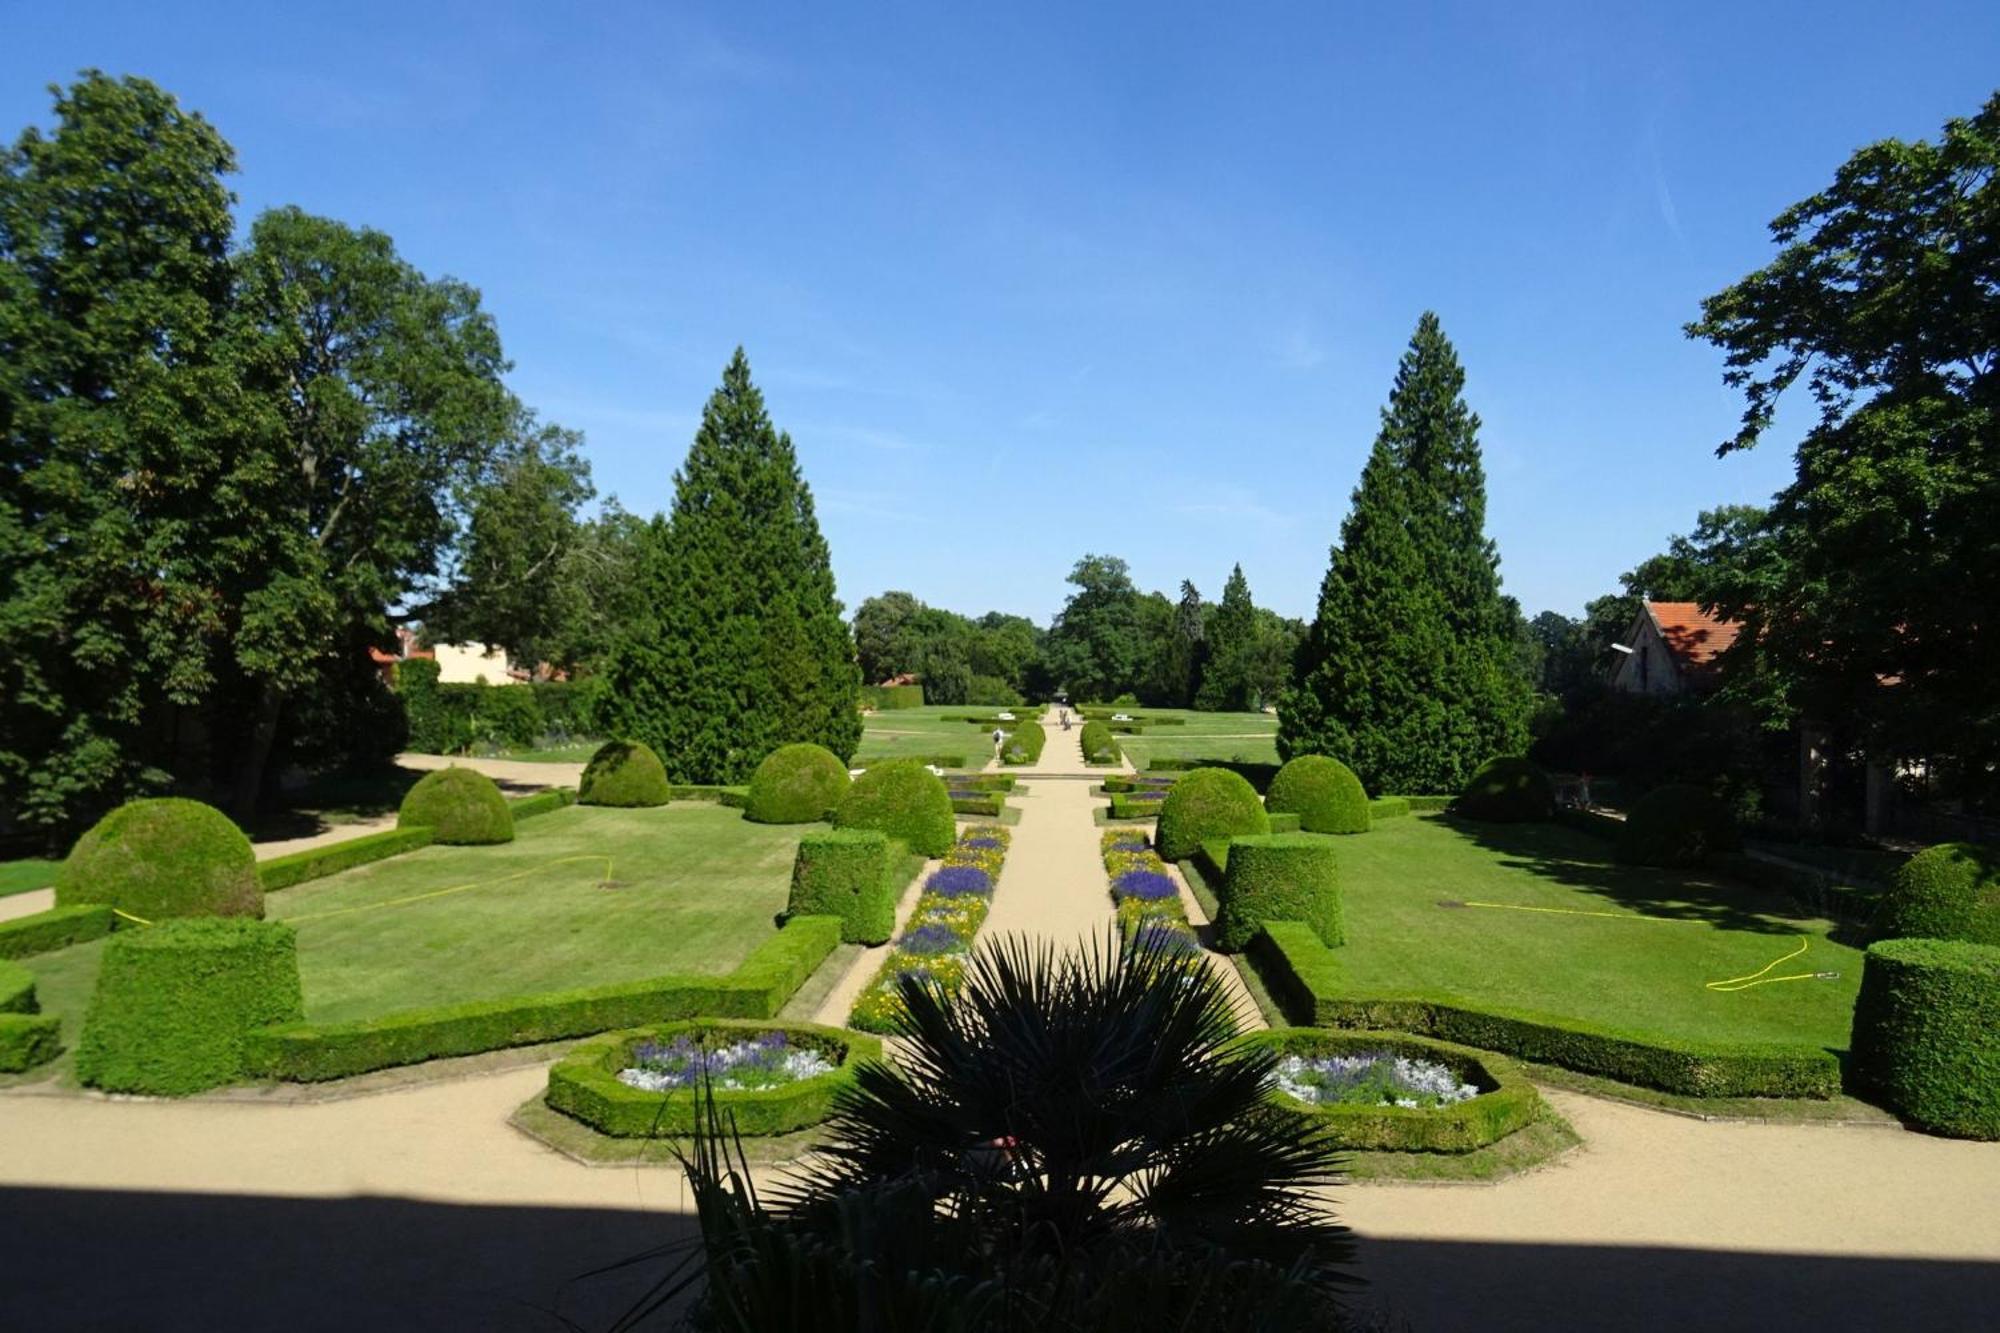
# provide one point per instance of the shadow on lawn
(304, 811)
(1580, 861)
(122, 1259)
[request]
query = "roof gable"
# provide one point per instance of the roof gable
(1692, 635)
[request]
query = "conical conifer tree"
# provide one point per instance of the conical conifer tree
(1232, 635)
(1406, 674)
(746, 649)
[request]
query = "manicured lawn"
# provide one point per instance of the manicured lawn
(26, 876)
(1250, 737)
(897, 732)
(697, 888)
(1623, 969)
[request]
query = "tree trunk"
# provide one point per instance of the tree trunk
(263, 733)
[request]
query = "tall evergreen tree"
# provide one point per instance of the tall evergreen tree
(1187, 650)
(1226, 685)
(746, 649)
(1408, 672)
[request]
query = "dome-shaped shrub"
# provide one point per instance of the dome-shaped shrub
(624, 773)
(1207, 803)
(163, 858)
(1927, 1033)
(1508, 790)
(796, 784)
(1947, 892)
(1322, 792)
(1677, 825)
(906, 801)
(460, 806)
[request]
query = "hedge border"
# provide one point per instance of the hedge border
(978, 805)
(757, 988)
(282, 872)
(17, 990)
(584, 1086)
(1388, 807)
(1306, 978)
(57, 928)
(27, 1040)
(542, 802)
(1508, 1102)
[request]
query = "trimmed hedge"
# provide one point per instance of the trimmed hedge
(850, 874)
(1322, 792)
(1024, 744)
(1208, 803)
(1927, 1034)
(1947, 892)
(1306, 978)
(1258, 775)
(1677, 825)
(1285, 823)
(1388, 807)
(1425, 805)
(1099, 745)
(57, 928)
(978, 804)
(584, 1084)
(308, 1053)
(1279, 877)
(627, 774)
(1132, 782)
(541, 803)
(905, 800)
(281, 872)
(162, 858)
(1134, 805)
(17, 989)
(175, 1002)
(27, 1040)
(459, 806)
(1508, 789)
(884, 697)
(796, 784)
(1507, 1101)
(982, 781)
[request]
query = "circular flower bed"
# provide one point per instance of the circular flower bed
(1389, 1092)
(770, 1078)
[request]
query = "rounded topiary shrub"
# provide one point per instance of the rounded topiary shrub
(624, 773)
(459, 806)
(846, 873)
(1207, 803)
(1099, 745)
(1508, 789)
(1677, 825)
(1947, 892)
(1322, 792)
(1279, 877)
(905, 800)
(163, 858)
(1927, 1033)
(796, 784)
(174, 1001)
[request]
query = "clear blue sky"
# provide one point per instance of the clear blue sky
(1043, 280)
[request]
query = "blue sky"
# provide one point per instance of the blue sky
(1042, 280)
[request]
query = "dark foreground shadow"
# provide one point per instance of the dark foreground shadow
(111, 1259)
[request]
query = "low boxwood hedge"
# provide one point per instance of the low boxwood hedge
(905, 800)
(1285, 822)
(1307, 980)
(852, 874)
(983, 781)
(1135, 805)
(57, 928)
(1947, 892)
(1677, 825)
(978, 804)
(1208, 803)
(1322, 792)
(627, 774)
(1099, 745)
(1024, 744)
(1388, 807)
(1137, 782)
(1258, 775)
(796, 784)
(541, 803)
(1927, 1033)
(307, 1052)
(1508, 789)
(584, 1084)
(459, 807)
(1279, 877)
(1507, 1101)
(1424, 805)
(161, 858)
(282, 872)
(27, 1040)
(17, 989)
(175, 1003)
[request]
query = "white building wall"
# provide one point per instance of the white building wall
(468, 663)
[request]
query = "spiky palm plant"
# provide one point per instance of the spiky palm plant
(1073, 1141)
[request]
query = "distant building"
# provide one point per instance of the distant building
(1672, 649)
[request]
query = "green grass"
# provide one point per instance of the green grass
(1250, 737)
(1622, 969)
(698, 887)
(898, 732)
(25, 876)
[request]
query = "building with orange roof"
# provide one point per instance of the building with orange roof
(1672, 648)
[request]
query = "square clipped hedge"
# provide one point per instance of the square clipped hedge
(1279, 877)
(849, 874)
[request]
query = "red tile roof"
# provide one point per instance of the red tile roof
(1692, 635)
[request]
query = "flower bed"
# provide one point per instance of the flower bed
(938, 937)
(1383, 1091)
(768, 1078)
(1148, 898)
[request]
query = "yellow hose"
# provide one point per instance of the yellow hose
(1726, 987)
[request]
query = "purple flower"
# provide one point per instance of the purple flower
(979, 842)
(1145, 885)
(929, 940)
(1129, 845)
(959, 882)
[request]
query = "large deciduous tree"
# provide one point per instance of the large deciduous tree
(1097, 647)
(1409, 672)
(746, 650)
(1880, 615)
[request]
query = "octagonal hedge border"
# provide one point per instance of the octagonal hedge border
(1507, 1101)
(584, 1084)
